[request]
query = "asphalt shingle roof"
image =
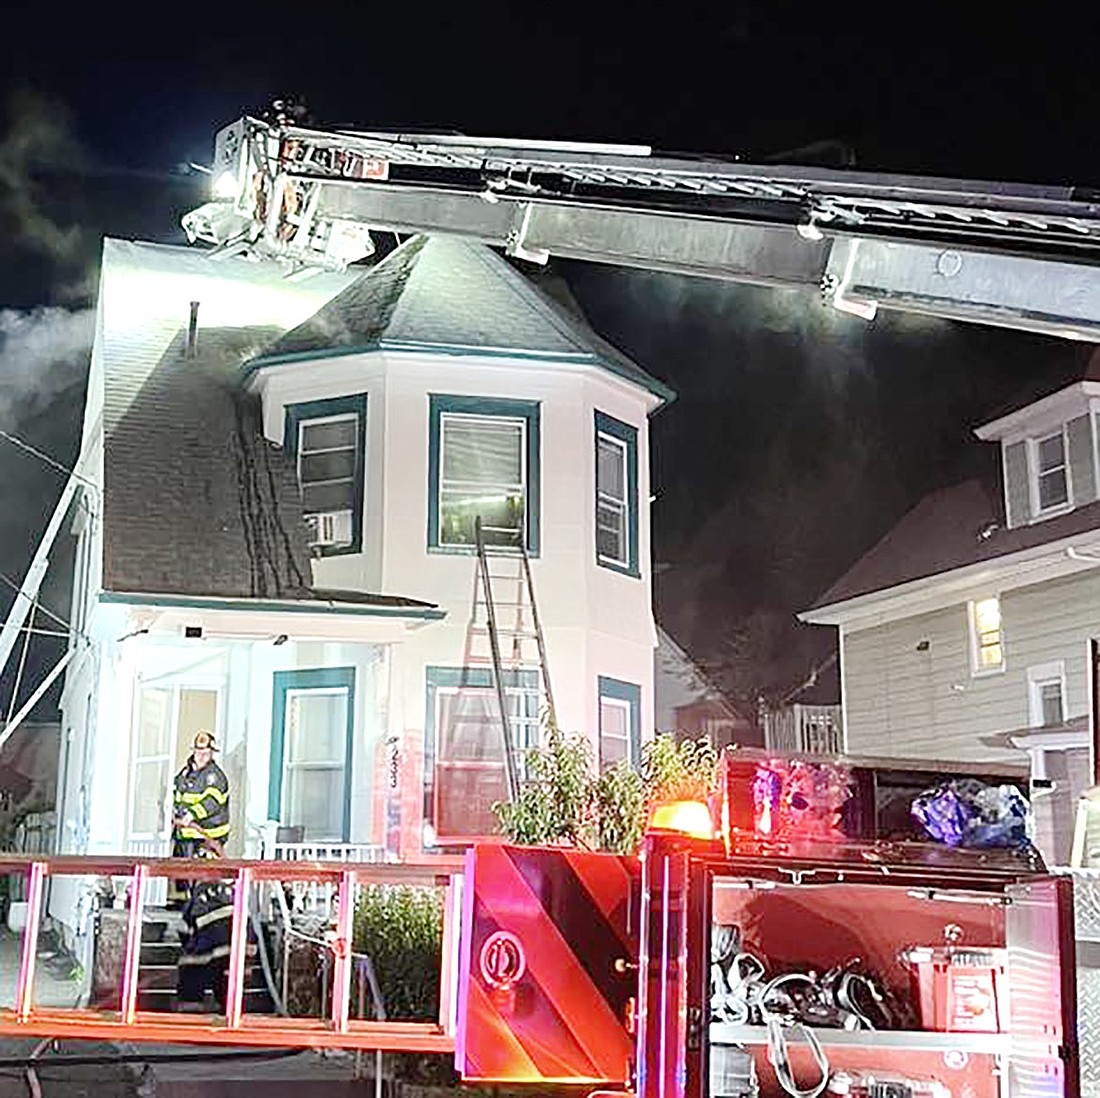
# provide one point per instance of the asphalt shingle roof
(949, 529)
(448, 293)
(196, 501)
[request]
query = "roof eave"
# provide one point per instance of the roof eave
(664, 394)
(176, 601)
(890, 601)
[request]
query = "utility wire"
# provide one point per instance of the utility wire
(45, 609)
(53, 463)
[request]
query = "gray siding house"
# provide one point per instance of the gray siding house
(964, 634)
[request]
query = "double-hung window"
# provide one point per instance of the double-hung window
(986, 637)
(1047, 694)
(326, 439)
(466, 775)
(616, 495)
(1051, 481)
(483, 468)
(312, 735)
(620, 722)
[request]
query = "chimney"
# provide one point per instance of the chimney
(193, 332)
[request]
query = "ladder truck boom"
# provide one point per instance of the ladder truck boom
(1018, 256)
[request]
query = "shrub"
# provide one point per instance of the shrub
(562, 801)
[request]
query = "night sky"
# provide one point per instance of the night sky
(800, 434)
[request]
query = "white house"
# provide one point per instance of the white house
(965, 633)
(276, 542)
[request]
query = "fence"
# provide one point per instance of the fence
(805, 729)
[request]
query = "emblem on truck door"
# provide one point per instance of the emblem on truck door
(503, 960)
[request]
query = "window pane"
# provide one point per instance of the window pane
(611, 469)
(150, 790)
(331, 435)
(501, 514)
(315, 801)
(1053, 489)
(317, 498)
(610, 531)
(614, 718)
(153, 723)
(464, 799)
(990, 655)
(485, 451)
(1051, 453)
(1050, 699)
(987, 616)
(317, 727)
(334, 465)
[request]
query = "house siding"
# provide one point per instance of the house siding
(1017, 490)
(1082, 473)
(907, 699)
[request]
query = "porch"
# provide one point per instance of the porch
(805, 729)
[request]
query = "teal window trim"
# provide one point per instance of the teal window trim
(314, 678)
(630, 693)
(530, 410)
(452, 678)
(628, 436)
(297, 414)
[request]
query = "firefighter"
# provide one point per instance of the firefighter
(200, 823)
(204, 960)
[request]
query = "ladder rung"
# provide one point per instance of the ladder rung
(505, 634)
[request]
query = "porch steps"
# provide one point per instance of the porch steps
(158, 972)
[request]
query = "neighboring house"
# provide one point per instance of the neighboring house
(965, 633)
(276, 542)
(689, 705)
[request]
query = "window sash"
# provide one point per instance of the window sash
(615, 745)
(612, 503)
(1050, 471)
(338, 491)
(469, 485)
(987, 634)
(1051, 702)
(300, 772)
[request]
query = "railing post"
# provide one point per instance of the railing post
(131, 962)
(24, 992)
(238, 949)
(341, 950)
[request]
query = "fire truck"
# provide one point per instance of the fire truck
(794, 934)
(750, 948)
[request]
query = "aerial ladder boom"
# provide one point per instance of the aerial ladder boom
(1017, 256)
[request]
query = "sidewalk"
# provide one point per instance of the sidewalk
(50, 990)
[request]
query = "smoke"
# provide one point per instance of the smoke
(37, 148)
(43, 355)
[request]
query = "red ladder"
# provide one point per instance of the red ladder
(235, 1027)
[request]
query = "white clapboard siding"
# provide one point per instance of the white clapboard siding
(904, 699)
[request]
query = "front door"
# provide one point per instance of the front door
(167, 719)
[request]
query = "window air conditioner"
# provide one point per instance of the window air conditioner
(330, 528)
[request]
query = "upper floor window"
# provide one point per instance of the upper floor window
(483, 464)
(326, 439)
(1052, 485)
(616, 495)
(986, 639)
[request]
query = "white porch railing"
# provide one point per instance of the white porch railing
(805, 729)
(310, 896)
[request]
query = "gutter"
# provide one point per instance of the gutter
(292, 606)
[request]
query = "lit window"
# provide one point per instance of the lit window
(483, 464)
(616, 495)
(482, 477)
(988, 643)
(1050, 458)
(325, 438)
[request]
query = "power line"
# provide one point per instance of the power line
(53, 463)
